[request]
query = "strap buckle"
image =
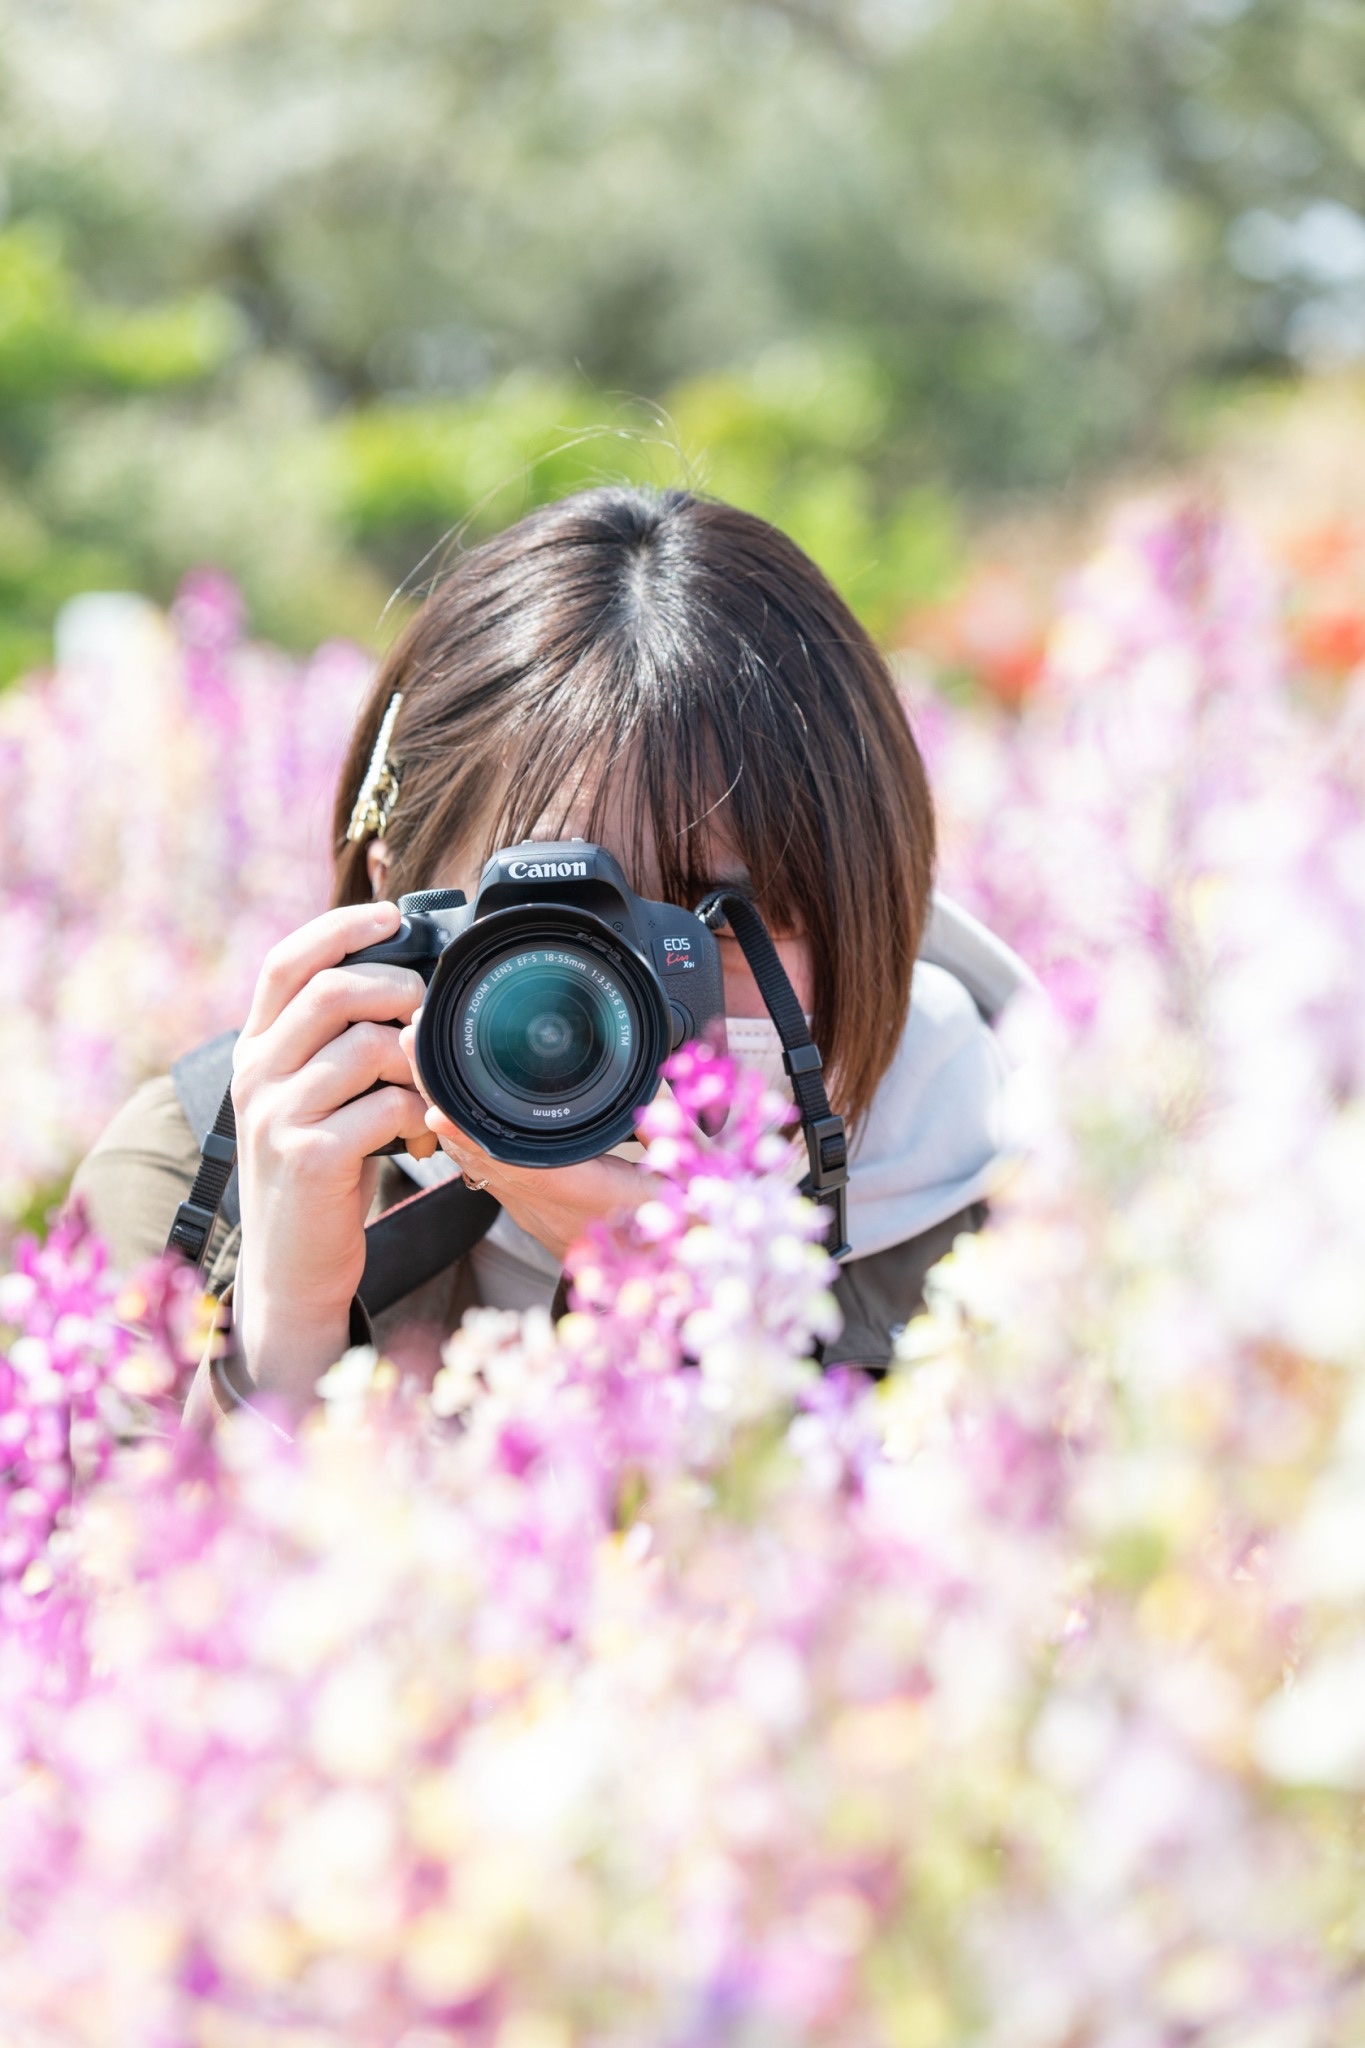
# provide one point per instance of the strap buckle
(191, 1230)
(197, 1214)
(827, 1145)
(827, 1180)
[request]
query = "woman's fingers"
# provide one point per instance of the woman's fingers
(357, 1059)
(324, 942)
(369, 1122)
(319, 1076)
(319, 1014)
(320, 1082)
(366, 1057)
(407, 1039)
(467, 1152)
(330, 1150)
(605, 1175)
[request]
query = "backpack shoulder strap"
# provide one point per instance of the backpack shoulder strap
(201, 1080)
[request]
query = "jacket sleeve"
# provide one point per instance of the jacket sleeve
(137, 1174)
(880, 1294)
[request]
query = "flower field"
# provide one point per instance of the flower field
(639, 1688)
(165, 798)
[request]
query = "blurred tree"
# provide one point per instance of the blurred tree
(58, 351)
(1024, 230)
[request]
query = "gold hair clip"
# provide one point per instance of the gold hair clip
(375, 804)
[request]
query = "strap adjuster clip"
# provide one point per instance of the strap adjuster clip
(827, 1180)
(827, 1145)
(190, 1231)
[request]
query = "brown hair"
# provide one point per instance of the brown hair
(690, 655)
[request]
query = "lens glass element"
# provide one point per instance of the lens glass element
(545, 1030)
(549, 1028)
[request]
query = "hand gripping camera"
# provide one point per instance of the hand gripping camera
(552, 999)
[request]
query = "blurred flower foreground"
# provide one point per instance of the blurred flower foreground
(638, 1685)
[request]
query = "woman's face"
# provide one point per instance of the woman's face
(742, 997)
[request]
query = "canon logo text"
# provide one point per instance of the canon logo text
(546, 870)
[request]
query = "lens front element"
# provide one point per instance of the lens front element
(543, 1034)
(546, 1027)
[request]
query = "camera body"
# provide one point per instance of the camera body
(553, 999)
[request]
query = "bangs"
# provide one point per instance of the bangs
(665, 784)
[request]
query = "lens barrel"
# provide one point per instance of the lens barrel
(542, 1034)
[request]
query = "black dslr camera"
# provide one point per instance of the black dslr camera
(553, 999)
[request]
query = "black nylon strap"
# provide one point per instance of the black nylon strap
(197, 1214)
(826, 1138)
(416, 1238)
(199, 1078)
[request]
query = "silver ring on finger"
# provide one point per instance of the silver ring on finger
(477, 1185)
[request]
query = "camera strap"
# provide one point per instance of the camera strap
(826, 1139)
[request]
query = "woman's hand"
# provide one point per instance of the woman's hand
(554, 1203)
(319, 1035)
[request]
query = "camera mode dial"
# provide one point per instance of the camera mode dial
(419, 901)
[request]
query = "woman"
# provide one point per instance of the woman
(675, 681)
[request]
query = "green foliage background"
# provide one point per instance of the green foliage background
(299, 289)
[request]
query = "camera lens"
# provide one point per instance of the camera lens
(543, 1035)
(546, 1030)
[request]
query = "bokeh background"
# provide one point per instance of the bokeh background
(295, 290)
